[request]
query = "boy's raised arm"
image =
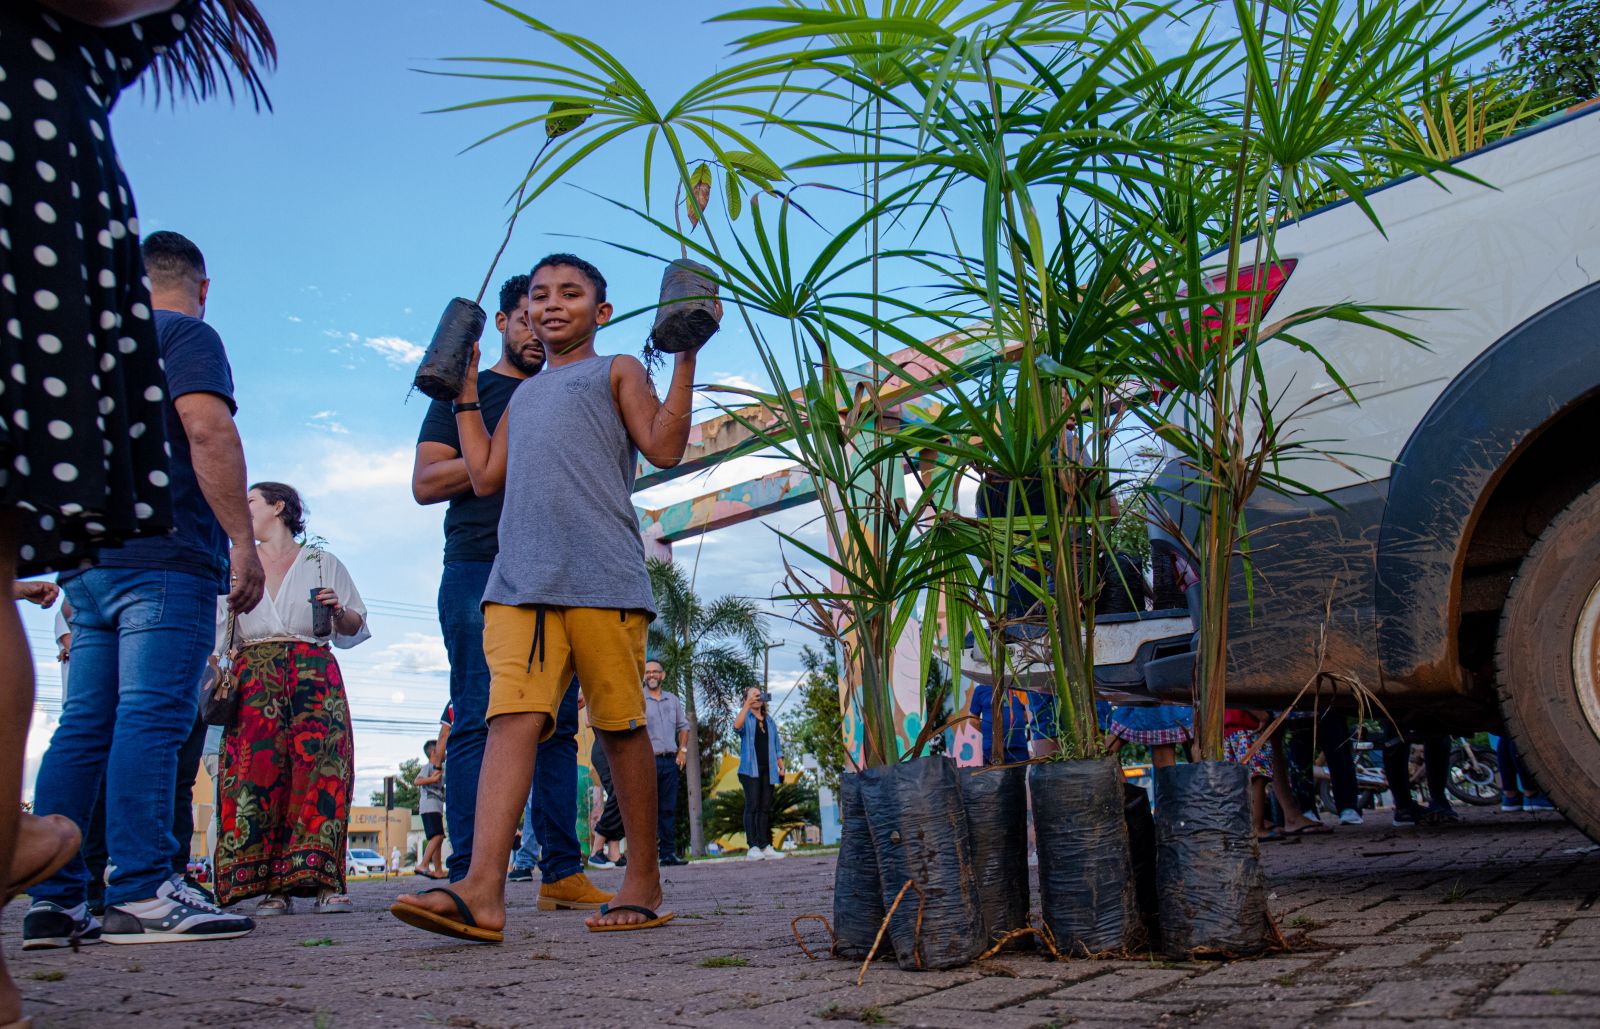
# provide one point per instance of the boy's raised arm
(660, 429)
(485, 457)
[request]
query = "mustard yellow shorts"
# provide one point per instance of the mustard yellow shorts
(534, 651)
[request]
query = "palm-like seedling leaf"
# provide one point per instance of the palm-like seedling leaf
(589, 82)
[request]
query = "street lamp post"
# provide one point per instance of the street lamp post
(766, 664)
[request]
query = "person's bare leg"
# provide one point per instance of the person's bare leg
(1293, 818)
(503, 785)
(1163, 755)
(633, 770)
(16, 710)
(429, 865)
(1258, 805)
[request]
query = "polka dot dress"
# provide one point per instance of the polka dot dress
(83, 452)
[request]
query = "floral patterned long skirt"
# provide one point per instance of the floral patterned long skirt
(285, 775)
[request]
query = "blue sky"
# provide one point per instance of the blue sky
(335, 229)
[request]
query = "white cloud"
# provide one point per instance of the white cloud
(400, 353)
(296, 319)
(347, 468)
(327, 421)
(419, 653)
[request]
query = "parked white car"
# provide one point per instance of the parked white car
(359, 861)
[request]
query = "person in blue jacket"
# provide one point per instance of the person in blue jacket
(760, 766)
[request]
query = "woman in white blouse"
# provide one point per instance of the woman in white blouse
(286, 770)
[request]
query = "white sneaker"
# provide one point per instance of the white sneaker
(1350, 816)
(754, 854)
(176, 914)
(772, 855)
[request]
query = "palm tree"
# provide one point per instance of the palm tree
(708, 651)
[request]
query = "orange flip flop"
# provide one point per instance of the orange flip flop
(464, 928)
(652, 921)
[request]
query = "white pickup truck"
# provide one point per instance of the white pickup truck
(1459, 534)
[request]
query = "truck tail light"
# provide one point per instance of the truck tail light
(1273, 278)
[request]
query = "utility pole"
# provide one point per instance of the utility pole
(388, 809)
(766, 664)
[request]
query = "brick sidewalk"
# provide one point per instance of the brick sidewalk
(1491, 924)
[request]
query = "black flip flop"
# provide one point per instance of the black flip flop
(652, 920)
(464, 928)
(1314, 829)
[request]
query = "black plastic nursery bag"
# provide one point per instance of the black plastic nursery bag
(919, 830)
(1086, 890)
(687, 316)
(997, 819)
(1208, 865)
(857, 896)
(443, 372)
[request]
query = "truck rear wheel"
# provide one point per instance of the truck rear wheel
(1548, 657)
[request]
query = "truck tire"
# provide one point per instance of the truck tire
(1548, 658)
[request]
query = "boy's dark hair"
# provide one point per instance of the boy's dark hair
(294, 510)
(589, 271)
(170, 258)
(512, 292)
(428, 747)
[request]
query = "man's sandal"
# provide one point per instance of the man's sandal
(652, 920)
(464, 928)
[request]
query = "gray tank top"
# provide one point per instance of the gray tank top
(569, 536)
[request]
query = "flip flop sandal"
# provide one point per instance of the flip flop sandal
(652, 920)
(50, 866)
(272, 907)
(464, 928)
(1315, 829)
(337, 904)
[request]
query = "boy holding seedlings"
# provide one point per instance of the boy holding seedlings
(568, 592)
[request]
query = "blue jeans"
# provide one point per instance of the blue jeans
(139, 643)
(527, 855)
(667, 805)
(555, 784)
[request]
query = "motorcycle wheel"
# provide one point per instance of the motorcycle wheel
(1479, 787)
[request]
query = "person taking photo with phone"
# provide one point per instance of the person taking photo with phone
(760, 769)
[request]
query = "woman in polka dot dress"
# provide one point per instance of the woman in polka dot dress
(79, 362)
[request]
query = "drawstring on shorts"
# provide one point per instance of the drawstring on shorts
(538, 637)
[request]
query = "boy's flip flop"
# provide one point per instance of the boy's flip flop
(466, 928)
(652, 920)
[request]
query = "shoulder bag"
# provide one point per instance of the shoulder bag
(219, 695)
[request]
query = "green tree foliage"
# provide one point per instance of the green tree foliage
(813, 725)
(407, 794)
(1130, 533)
(1558, 47)
(794, 806)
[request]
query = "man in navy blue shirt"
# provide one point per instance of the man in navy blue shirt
(471, 541)
(143, 621)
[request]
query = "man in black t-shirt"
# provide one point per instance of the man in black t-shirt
(471, 534)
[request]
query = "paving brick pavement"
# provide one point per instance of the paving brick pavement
(1492, 924)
